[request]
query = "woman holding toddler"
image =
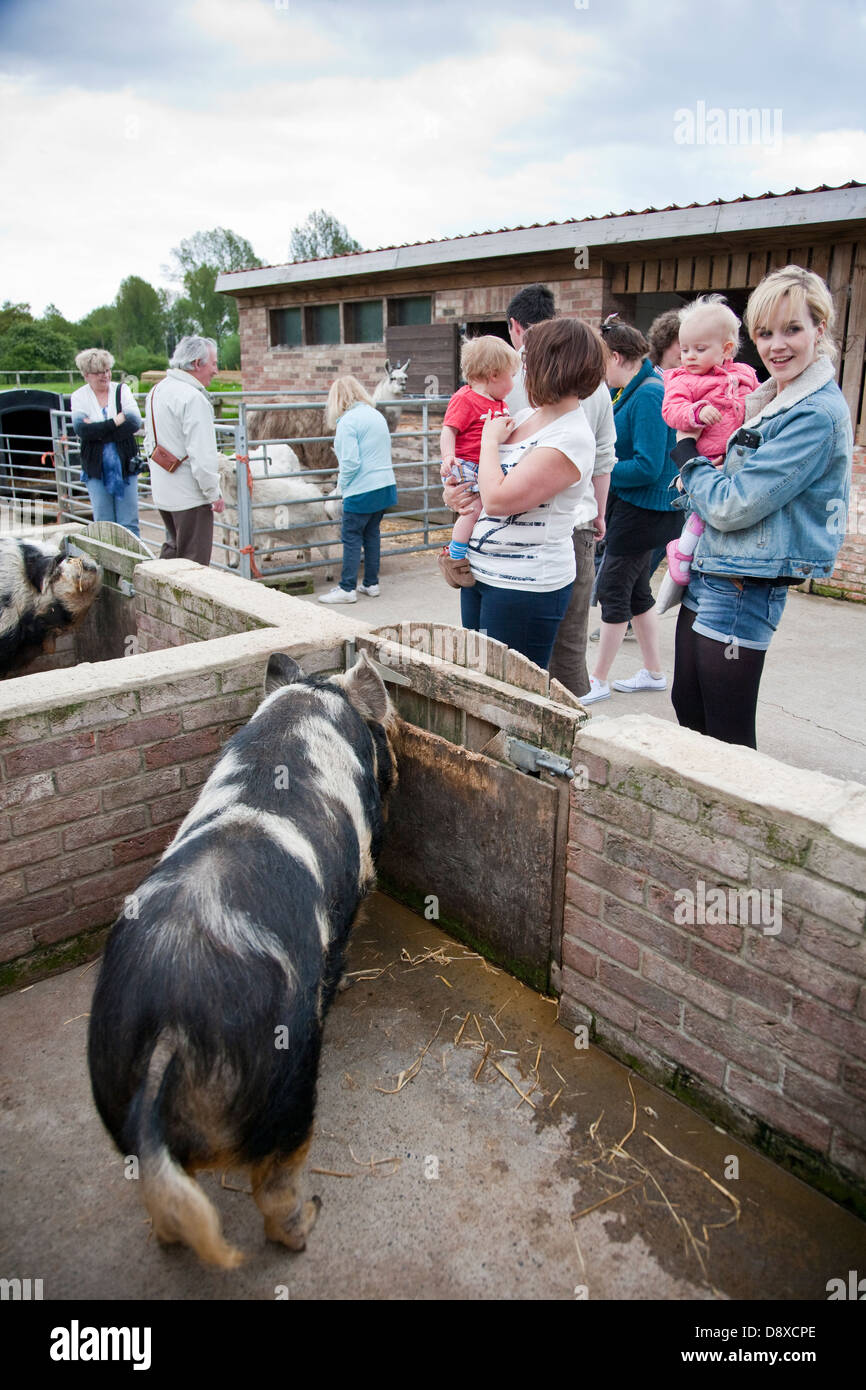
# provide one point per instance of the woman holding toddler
(535, 484)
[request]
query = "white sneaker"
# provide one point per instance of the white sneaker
(598, 690)
(339, 595)
(371, 590)
(642, 681)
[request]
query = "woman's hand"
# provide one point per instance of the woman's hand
(688, 434)
(119, 418)
(458, 497)
(497, 428)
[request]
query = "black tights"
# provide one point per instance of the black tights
(715, 689)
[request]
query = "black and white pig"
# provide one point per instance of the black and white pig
(206, 1022)
(43, 592)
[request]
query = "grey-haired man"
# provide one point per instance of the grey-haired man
(180, 418)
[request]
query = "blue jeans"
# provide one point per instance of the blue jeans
(360, 530)
(744, 612)
(106, 507)
(526, 622)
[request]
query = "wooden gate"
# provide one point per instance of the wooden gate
(478, 827)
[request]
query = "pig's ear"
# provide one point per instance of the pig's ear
(282, 670)
(366, 690)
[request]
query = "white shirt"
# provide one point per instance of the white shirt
(533, 550)
(184, 425)
(599, 413)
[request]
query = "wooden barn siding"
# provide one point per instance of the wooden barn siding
(842, 265)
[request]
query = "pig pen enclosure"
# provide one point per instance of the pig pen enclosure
(472, 1140)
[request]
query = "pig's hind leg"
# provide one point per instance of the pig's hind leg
(287, 1219)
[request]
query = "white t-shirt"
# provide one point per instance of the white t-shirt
(533, 550)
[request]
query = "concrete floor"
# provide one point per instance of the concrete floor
(811, 710)
(452, 1187)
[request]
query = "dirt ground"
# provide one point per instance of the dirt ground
(465, 1149)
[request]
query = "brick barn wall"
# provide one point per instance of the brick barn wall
(314, 368)
(849, 577)
(768, 1029)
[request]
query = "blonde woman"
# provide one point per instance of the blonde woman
(365, 483)
(106, 419)
(775, 512)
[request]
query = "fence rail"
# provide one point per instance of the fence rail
(260, 538)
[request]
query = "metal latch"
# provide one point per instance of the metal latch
(530, 759)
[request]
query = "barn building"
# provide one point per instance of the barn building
(304, 323)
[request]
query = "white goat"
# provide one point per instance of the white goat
(292, 503)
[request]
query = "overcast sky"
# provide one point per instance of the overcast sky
(124, 128)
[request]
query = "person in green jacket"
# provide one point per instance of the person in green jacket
(639, 517)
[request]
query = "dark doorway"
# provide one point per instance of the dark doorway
(477, 328)
(25, 437)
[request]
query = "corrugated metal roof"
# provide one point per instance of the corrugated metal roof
(568, 221)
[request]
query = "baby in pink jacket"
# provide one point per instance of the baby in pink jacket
(708, 392)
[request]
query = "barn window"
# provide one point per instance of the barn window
(321, 324)
(286, 328)
(405, 313)
(362, 323)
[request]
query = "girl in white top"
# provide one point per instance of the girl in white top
(535, 480)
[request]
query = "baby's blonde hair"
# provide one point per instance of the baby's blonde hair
(344, 392)
(482, 358)
(793, 281)
(717, 306)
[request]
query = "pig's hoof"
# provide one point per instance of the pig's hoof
(294, 1230)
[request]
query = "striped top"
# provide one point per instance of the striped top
(533, 550)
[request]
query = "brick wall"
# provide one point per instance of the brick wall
(849, 577)
(178, 601)
(99, 764)
(765, 1027)
(314, 368)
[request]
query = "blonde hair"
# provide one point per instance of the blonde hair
(789, 282)
(344, 392)
(94, 360)
(717, 307)
(482, 358)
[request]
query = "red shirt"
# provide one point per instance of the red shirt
(465, 414)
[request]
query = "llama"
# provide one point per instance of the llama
(391, 388)
(307, 423)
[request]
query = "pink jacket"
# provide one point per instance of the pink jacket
(725, 387)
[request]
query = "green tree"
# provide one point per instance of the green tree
(321, 236)
(33, 347)
(139, 316)
(12, 314)
(230, 353)
(98, 328)
(175, 318)
(197, 263)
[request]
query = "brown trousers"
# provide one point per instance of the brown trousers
(568, 661)
(188, 534)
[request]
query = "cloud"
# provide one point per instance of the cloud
(404, 121)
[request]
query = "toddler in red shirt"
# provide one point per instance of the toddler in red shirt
(489, 365)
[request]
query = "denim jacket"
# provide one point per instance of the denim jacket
(778, 509)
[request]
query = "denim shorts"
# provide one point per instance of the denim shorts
(745, 611)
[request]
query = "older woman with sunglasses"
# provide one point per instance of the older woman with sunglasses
(106, 419)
